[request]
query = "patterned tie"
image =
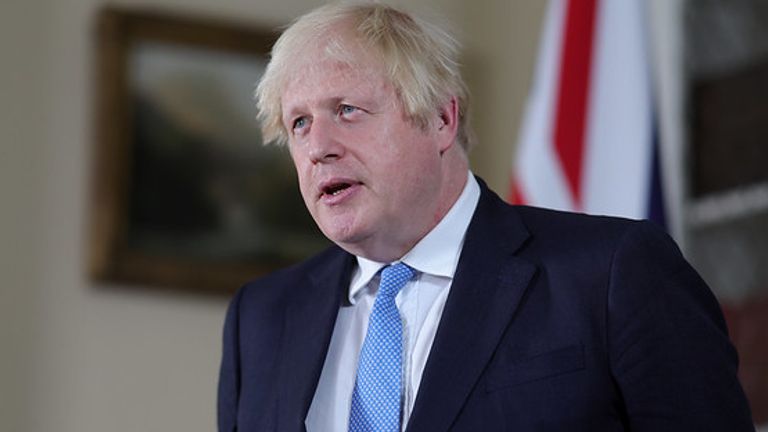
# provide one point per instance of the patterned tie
(378, 389)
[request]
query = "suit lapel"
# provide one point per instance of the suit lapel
(486, 290)
(309, 322)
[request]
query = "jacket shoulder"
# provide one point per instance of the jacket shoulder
(539, 219)
(274, 288)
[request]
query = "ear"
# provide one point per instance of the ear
(447, 124)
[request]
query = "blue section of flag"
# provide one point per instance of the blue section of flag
(656, 208)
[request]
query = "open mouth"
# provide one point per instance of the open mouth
(336, 188)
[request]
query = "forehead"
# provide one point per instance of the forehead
(330, 73)
(320, 77)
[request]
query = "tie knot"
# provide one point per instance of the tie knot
(393, 278)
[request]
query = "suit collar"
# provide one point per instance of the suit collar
(437, 253)
(309, 322)
(486, 291)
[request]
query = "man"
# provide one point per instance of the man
(441, 307)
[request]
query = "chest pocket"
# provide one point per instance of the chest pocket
(540, 366)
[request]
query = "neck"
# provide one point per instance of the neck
(393, 247)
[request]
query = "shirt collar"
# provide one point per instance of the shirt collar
(437, 253)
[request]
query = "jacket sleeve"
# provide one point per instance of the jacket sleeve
(668, 343)
(229, 375)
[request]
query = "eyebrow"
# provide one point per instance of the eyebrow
(331, 102)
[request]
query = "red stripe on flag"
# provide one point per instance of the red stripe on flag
(573, 92)
(516, 194)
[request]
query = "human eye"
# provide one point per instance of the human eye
(345, 109)
(298, 124)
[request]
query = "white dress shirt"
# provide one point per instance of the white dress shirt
(420, 302)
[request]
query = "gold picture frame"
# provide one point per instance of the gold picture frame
(184, 193)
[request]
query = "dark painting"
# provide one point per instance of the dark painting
(191, 197)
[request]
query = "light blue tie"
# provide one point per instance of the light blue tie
(378, 389)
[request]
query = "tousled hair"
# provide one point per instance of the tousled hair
(421, 61)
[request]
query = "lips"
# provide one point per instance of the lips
(335, 190)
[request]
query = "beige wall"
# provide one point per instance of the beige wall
(501, 44)
(77, 357)
(20, 204)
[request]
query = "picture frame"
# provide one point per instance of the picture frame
(184, 193)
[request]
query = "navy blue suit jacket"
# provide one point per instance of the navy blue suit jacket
(554, 322)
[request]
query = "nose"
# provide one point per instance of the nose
(324, 143)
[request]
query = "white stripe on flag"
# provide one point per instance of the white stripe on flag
(619, 143)
(538, 173)
(617, 161)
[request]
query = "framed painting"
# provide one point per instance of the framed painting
(184, 192)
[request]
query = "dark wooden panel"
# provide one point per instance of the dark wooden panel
(729, 130)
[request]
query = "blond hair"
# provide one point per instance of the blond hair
(421, 61)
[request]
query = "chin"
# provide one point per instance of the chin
(347, 236)
(342, 238)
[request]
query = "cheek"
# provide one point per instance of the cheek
(297, 159)
(305, 186)
(418, 161)
(302, 174)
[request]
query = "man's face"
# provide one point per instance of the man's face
(370, 177)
